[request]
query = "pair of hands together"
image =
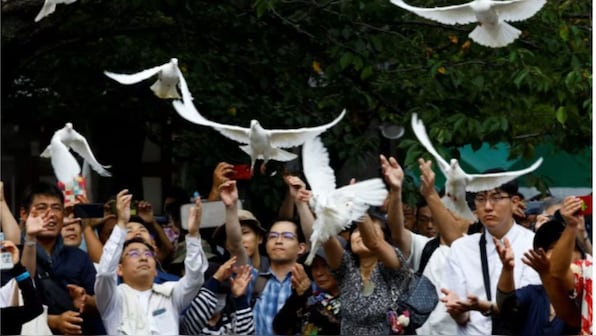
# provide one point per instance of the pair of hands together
(240, 282)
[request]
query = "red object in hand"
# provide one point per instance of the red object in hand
(586, 206)
(241, 172)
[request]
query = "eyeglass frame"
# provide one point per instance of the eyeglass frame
(285, 235)
(146, 253)
(493, 198)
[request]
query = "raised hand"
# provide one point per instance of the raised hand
(300, 281)
(228, 192)
(538, 260)
(194, 218)
(570, 210)
(505, 253)
(81, 199)
(427, 178)
(78, 295)
(225, 270)
(145, 211)
(123, 200)
(297, 188)
(35, 225)
(10, 247)
(392, 172)
(222, 173)
(241, 280)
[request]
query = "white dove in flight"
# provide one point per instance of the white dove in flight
(457, 182)
(64, 163)
(335, 209)
(492, 29)
(260, 143)
(49, 7)
(168, 76)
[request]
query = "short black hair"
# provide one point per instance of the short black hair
(136, 240)
(548, 234)
(137, 219)
(42, 188)
(299, 233)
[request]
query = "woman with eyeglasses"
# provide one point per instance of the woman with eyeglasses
(138, 306)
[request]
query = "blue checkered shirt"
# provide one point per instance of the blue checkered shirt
(271, 300)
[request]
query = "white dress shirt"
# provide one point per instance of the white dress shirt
(463, 272)
(418, 243)
(162, 308)
(439, 322)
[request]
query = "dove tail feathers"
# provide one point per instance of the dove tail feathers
(314, 247)
(47, 9)
(282, 155)
(310, 258)
(495, 36)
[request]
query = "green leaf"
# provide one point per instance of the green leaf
(357, 61)
(345, 60)
(520, 77)
(412, 156)
(561, 115)
(366, 72)
(564, 33)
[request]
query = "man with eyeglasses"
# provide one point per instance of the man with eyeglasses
(473, 265)
(285, 242)
(138, 306)
(58, 268)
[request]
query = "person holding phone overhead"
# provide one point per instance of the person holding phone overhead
(138, 306)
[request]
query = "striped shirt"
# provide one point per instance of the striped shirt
(238, 322)
(271, 300)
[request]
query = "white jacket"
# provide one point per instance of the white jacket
(122, 312)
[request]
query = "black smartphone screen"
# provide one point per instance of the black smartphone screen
(93, 210)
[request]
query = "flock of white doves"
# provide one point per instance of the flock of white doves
(492, 17)
(335, 208)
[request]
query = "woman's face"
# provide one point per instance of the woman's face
(322, 276)
(357, 243)
(250, 239)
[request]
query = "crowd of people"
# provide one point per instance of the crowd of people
(130, 272)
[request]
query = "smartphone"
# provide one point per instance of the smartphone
(91, 210)
(587, 207)
(5, 257)
(241, 172)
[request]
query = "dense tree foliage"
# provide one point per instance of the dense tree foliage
(292, 63)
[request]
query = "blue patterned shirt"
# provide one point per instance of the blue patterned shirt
(271, 300)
